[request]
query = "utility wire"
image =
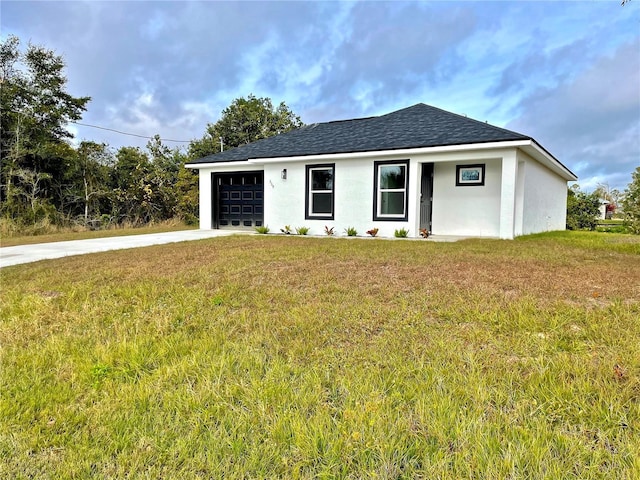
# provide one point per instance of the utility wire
(130, 134)
(112, 130)
(101, 128)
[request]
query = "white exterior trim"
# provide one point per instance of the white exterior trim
(542, 156)
(216, 165)
(508, 195)
(401, 153)
(529, 146)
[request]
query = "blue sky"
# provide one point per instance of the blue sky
(565, 73)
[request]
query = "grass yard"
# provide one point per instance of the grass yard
(295, 357)
(169, 226)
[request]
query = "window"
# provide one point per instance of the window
(469, 175)
(391, 190)
(319, 199)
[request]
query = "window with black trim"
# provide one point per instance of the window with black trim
(391, 190)
(470, 175)
(319, 201)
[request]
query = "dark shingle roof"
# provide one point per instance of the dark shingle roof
(413, 127)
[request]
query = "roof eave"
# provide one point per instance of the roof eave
(230, 163)
(394, 152)
(529, 146)
(539, 153)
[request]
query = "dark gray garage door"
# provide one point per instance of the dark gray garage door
(238, 199)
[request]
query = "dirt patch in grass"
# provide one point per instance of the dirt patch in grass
(382, 271)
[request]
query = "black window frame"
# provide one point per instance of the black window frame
(376, 192)
(467, 183)
(307, 198)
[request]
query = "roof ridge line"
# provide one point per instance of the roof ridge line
(486, 122)
(348, 120)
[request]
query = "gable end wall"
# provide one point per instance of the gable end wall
(545, 198)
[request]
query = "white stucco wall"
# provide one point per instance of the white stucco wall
(285, 199)
(520, 195)
(465, 211)
(519, 209)
(204, 186)
(545, 198)
(468, 210)
(205, 189)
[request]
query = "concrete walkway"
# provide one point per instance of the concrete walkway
(43, 251)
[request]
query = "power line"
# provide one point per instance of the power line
(111, 129)
(130, 134)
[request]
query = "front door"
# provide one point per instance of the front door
(238, 200)
(426, 196)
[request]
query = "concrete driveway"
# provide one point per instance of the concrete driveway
(43, 251)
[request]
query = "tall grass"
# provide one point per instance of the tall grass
(273, 357)
(10, 228)
(45, 232)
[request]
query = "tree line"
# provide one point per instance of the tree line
(45, 179)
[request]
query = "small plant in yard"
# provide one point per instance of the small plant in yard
(351, 231)
(99, 372)
(263, 229)
(217, 301)
(286, 230)
(302, 230)
(328, 231)
(373, 232)
(401, 233)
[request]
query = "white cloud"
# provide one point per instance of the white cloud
(593, 121)
(557, 71)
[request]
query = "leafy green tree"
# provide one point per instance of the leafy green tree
(34, 110)
(132, 193)
(177, 186)
(244, 121)
(631, 203)
(147, 185)
(187, 205)
(29, 186)
(88, 178)
(204, 146)
(168, 165)
(583, 210)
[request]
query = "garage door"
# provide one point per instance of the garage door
(239, 200)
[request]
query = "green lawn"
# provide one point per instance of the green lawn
(295, 357)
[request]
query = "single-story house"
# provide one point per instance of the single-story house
(417, 168)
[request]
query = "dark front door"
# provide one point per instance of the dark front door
(426, 196)
(238, 199)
